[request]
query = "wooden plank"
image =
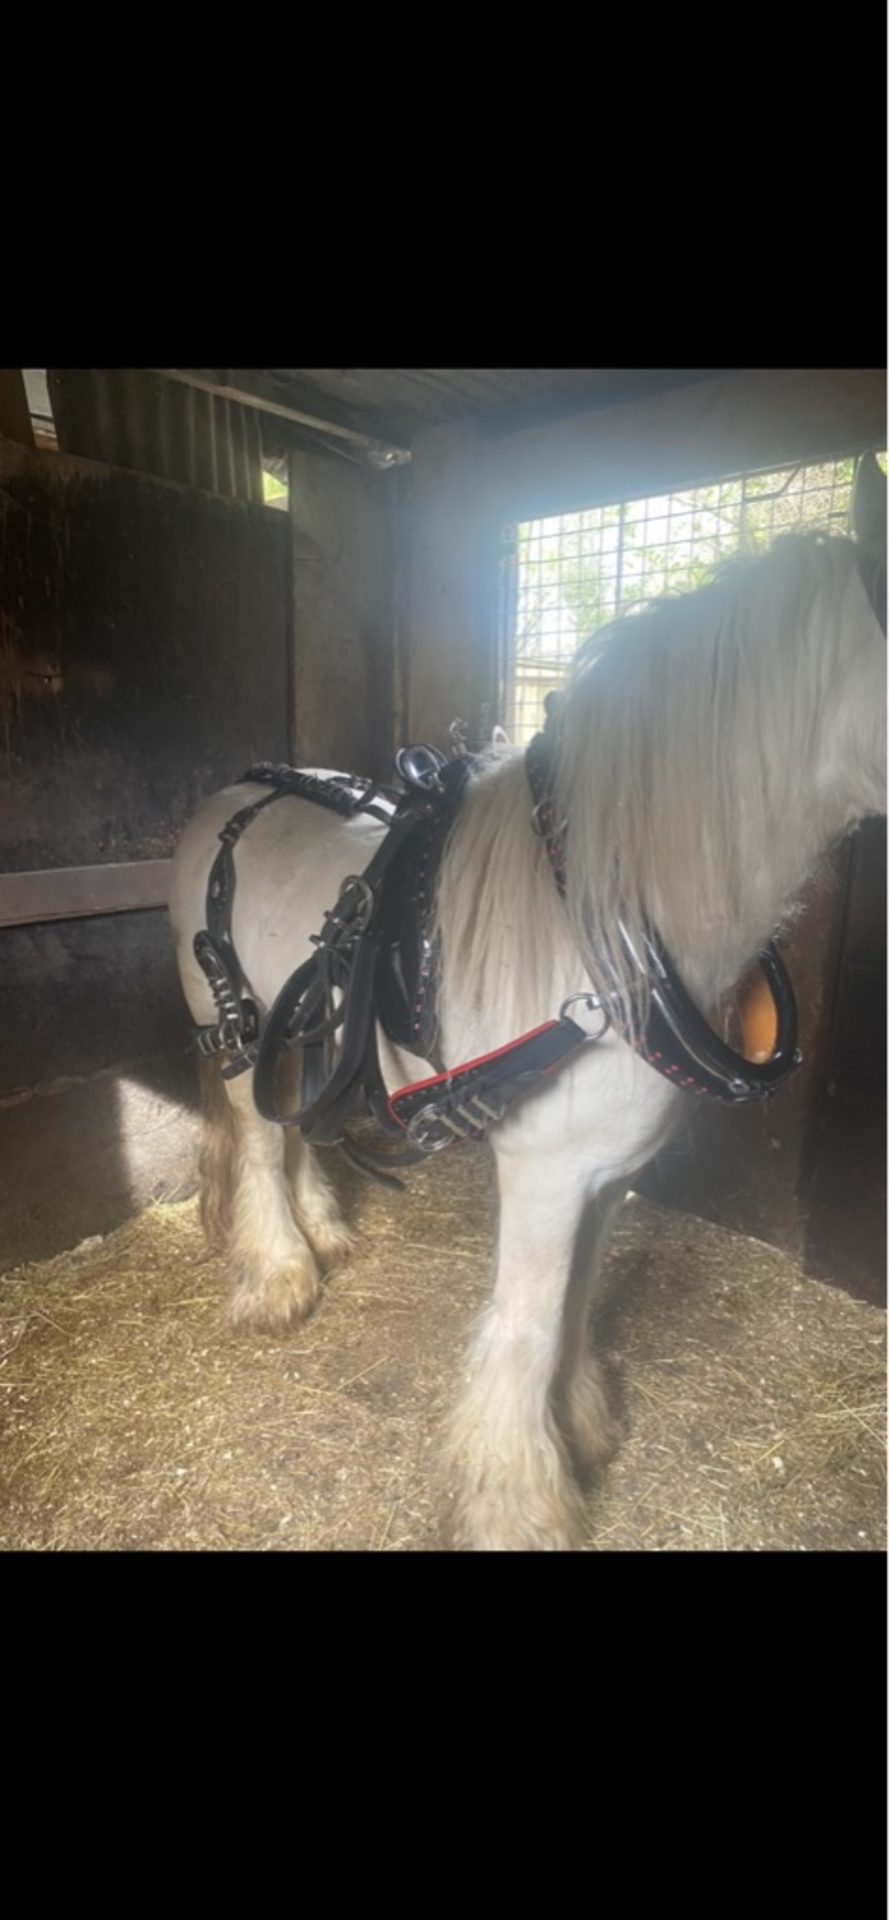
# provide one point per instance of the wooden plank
(76, 893)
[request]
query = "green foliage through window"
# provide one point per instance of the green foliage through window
(564, 577)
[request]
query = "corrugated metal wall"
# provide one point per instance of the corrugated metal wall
(130, 418)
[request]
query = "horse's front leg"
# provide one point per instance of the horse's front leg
(580, 1397)
(509, 1446)
(273, 1266)
(315, 1203)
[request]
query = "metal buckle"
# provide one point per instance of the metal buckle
(352, 913)
(543, 832)
(430, 1131)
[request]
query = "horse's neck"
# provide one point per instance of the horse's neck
(714, 943)
(815, 773)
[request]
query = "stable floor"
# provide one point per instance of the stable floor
(752, 1396)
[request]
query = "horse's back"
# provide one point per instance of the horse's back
(289, 863)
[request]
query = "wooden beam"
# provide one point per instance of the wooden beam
(262, 403)
(76, 893)
(302, 398)
(690, 436)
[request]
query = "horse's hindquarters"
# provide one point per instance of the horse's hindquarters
(289, 864)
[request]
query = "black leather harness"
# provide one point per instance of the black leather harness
(374, 962)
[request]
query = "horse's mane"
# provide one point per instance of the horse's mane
(681, 737)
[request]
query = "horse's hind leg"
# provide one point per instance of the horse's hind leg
(247, 1201)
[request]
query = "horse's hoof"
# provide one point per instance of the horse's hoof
(472, 1532)
(496, 1513)
(332, 1244)
(278, 1300)
(592, 1431)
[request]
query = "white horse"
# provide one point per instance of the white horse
(710, 751)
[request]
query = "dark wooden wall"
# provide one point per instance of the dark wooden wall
(144, 661)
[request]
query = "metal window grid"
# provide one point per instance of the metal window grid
(563, 577)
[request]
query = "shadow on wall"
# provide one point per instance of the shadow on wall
(81, 1159)
(98, 1084)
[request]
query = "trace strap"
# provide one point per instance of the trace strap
(457, 1104)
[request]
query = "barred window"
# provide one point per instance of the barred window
(565, 576)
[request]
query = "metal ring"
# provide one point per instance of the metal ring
(591, 1001)
(360, 912)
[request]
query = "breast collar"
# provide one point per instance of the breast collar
(872, 568)
(676, 1039)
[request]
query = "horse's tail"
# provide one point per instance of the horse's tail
(219, 1152)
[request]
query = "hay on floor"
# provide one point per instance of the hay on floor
(134, 1418)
